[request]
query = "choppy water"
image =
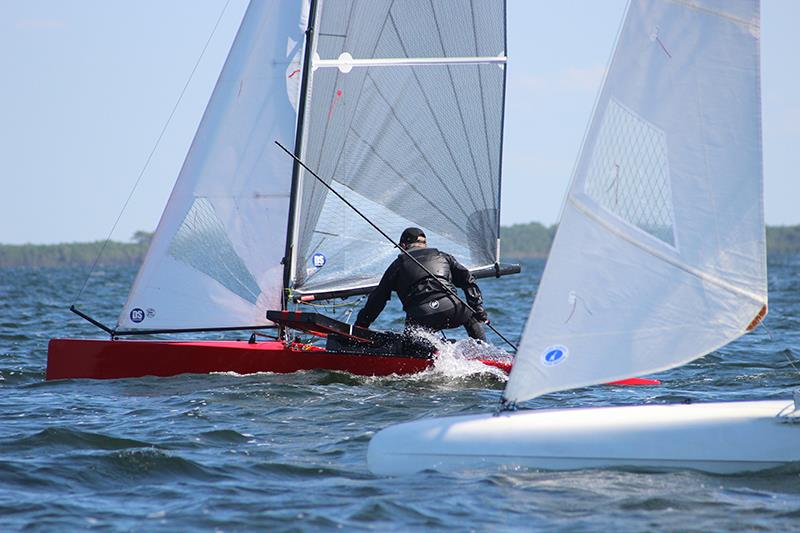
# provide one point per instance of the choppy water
(287, 452)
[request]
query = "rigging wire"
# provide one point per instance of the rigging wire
(150, 156)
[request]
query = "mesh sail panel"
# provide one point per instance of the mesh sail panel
(409, 144)
(202, 243)
(629, 172)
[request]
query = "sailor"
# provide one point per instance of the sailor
(426, 302)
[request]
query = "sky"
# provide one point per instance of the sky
(88, 86)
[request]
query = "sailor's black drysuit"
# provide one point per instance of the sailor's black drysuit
(425, 301)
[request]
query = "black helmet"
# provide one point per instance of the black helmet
(412, 235)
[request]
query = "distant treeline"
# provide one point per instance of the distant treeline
(522, 241)
(77, 254)
(519, 241)
(533, 240)
(783, 240)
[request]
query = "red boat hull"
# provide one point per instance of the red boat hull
(106, 359)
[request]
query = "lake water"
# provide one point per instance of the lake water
(287, 452)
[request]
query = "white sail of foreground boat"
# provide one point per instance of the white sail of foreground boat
(659, 259)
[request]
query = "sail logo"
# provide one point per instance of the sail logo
(554, 355)
(137, 315)
(318, 260)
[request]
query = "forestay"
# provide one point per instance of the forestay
(215, 260)
(660, 253)
(403, 118)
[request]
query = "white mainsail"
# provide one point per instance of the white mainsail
(215, 260)
(660, 255)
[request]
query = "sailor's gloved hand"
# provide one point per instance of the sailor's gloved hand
(361, 325)
(480, 315)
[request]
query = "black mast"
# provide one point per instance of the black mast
(298, 141)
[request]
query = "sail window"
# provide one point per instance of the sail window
(202, 243)
(629, 172)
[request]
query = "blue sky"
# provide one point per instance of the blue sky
(89, 84)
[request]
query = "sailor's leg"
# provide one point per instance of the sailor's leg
(462, 316)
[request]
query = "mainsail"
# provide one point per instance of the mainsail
(215, 260)
(660, 252)
(404, 119)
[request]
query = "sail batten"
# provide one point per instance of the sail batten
(660, 253)
(670, 259)
(346, 63)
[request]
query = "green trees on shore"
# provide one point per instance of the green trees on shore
(534, 240)
(783, 240)
(519, 241)
(526, 240)
(78, 254)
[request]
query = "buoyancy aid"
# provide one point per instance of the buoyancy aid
(414, 285)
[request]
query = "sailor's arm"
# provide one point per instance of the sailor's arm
(464, 279)
(377, 298)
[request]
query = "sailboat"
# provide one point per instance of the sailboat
(659, 258)
(398, 106)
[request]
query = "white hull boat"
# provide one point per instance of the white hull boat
(721, 438)
(659, 259)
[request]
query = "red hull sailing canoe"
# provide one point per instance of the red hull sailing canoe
(110, 359)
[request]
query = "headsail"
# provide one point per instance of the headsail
(405, 119)
(660, 253)
(215, 260)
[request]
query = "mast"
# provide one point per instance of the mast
(502, 137)
(296, 191)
